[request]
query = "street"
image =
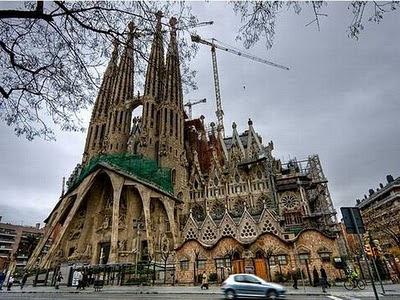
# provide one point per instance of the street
(100, 295)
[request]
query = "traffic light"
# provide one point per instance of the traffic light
(368, 249)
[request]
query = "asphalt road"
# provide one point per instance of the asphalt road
(15, 296)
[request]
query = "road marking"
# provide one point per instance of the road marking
(334, 298)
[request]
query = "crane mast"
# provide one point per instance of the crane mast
(213, 45)
(219, 112)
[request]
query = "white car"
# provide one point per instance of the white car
(251, 286)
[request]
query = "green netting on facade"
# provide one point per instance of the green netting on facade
(143, 168)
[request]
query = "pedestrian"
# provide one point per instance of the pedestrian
(294, 277)
(79, 277)
(315, 276)
(323, 275)
(204, 281)
(84, 279)
(24, 279)
(2, 278)
(58, 280)
(10, 282)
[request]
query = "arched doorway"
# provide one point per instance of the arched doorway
(260, 265)
(237, 263)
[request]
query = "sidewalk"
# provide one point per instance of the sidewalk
(392, 290)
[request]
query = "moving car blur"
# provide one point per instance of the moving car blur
(251, 286)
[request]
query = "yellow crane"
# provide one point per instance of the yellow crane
(214, 44)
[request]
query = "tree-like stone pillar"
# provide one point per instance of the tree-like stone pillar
(169, 207)
(145, 195)
(117, 184)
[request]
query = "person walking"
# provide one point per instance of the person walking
(204, 281)
(315, 276)
(294, 277)
(24, 279)
(79, 277)
(84, 279)
(2, 278)
(10, 282)
(325, 277)
(58, 280)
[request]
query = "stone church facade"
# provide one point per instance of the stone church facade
(161, 187)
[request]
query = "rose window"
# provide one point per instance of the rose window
(289, 202)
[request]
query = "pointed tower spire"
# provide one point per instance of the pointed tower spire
(98, 121)
(153, 95)
(173, 84)
(171, 152)
(156, 68)
(119, 118)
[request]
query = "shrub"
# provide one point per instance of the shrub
(213, 277)
(279, 277)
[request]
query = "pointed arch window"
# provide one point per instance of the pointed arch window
(173, 175)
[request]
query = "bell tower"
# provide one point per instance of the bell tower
(171, 152)
(119, 118)
(98, 122)
(153, 95)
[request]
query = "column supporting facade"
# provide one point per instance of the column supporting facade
(117, 184)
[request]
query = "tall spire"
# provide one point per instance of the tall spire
(119, 117)
(171, 152)
(98, 121)
(173, 83)
(153, 95)
(156, 68)
(123, 88)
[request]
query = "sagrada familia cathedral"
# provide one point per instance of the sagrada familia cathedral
(166, 187)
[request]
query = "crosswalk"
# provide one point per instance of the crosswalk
(342, 298)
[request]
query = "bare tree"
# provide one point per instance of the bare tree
(259, 18)
(52, 53)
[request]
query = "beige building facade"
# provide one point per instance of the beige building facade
(162, 187)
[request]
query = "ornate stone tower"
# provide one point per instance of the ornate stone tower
(171, 150)
(153, 95)
(119, 119)
(98, 122)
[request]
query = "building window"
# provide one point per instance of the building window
(219, 263)
(282, 260)
(184, 265)
(272, 261)
(201, 264)
(304, 257)
(325, 256)
(228, 263)
(173, 176)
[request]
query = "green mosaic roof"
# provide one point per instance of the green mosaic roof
(137, 166)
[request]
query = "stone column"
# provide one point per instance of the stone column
(169, 207)
(81, 193)
(145, 194)
(117, 184)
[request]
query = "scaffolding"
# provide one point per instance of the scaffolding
(143, 168)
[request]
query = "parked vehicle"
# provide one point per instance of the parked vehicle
(251, 286)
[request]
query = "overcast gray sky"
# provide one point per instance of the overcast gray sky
(340, 100)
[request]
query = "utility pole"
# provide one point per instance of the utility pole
(353, 224)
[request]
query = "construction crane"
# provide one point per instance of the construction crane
(214, 45)
(190, 104)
